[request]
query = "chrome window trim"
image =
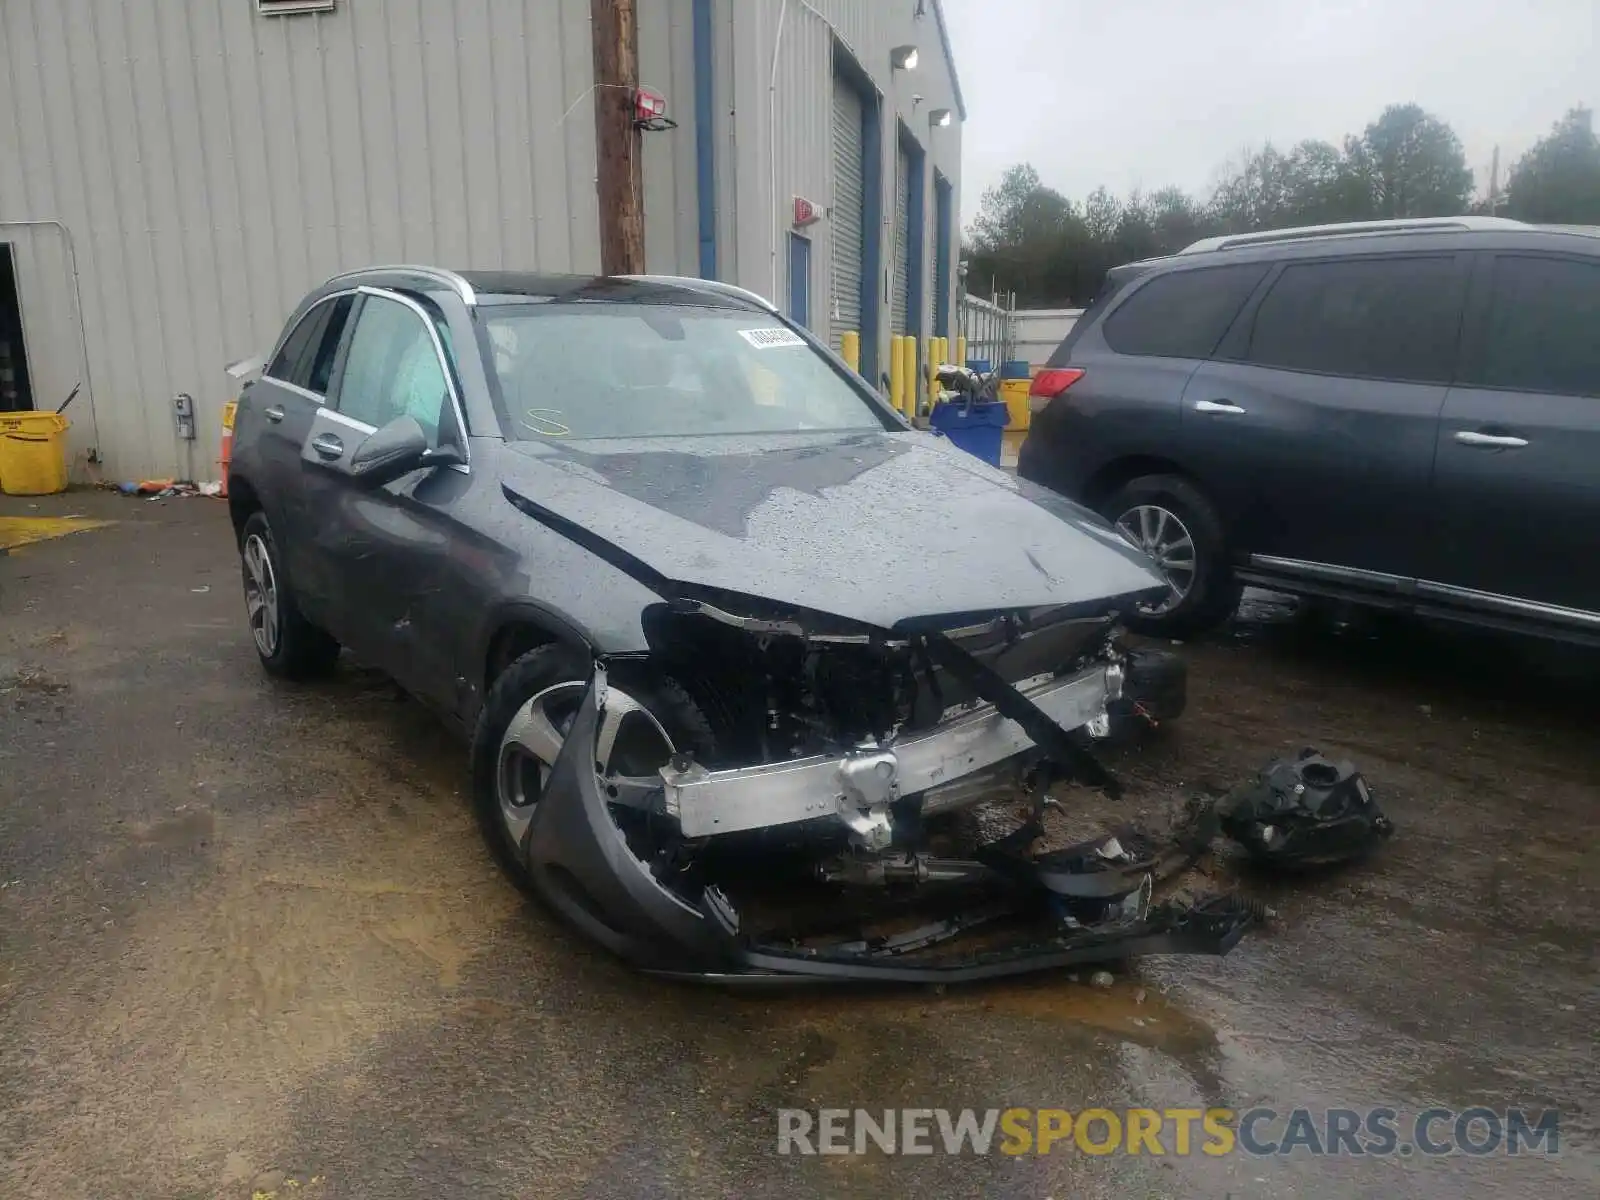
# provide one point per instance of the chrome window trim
(320, 401)
(333, 414)
(1509, 604)
(288, 332)
(455, 282)
(444, 365)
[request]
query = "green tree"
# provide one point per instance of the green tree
(1019, 236)
(1417, 166)
(1558, 181)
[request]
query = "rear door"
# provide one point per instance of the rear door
(1517, 493)
(1315, 425)
(1135, 364)
(286, 400)
(382, 554)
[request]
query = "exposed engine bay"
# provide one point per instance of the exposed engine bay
(816, 835)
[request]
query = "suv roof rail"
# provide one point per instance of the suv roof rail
(455, 282)
(1350, 228)
(715, 286)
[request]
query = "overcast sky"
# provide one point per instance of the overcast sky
(1153, 92)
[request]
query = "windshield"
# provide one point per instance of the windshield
(596, 370)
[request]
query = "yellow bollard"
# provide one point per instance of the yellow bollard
(850, 349)
(961, 349)
(908, 371)
(935, 361)
(897, 383)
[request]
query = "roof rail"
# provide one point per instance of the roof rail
(715, 286)
(455, 282)
(1350, 228)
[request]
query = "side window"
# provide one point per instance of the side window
(1383, 318)
(392, 369)
(1182, 314)
(306, 359)
(291, 364)
(322, 361)
(1544, 326)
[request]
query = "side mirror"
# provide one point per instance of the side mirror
(399, 448)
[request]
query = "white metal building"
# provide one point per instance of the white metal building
(175, 174)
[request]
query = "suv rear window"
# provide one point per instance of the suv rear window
(1381, 318)
(1182, 314)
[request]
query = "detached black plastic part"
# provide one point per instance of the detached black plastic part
(583, 867)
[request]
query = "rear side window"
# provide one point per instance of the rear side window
(1544, 326)
(306, 359)
(1183, 314)
(1383, 318)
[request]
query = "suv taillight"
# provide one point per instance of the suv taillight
(1050, 383)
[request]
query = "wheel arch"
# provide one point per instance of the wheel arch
(1104, 482)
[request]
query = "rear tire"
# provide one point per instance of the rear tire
(288, 645)
(1212, 593)
(540, 672)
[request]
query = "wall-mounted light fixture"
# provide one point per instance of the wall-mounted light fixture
(903, 58)
(939, 117)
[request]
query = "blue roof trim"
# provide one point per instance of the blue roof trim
(705, 139)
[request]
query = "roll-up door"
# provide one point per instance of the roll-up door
(847, 215)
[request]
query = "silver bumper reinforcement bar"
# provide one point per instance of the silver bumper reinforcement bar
(857, 787)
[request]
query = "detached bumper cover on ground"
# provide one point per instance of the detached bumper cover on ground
(1002, 915)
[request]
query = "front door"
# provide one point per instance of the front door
(1517, 493)
(1320, 411)
(385, 550)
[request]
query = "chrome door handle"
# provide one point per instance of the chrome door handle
(1490, 441)
(273, 414)
(1218, 406)
(327, 445)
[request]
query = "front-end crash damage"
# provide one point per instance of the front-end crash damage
(815, 840)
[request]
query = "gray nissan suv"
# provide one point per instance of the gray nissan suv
(1403, 414)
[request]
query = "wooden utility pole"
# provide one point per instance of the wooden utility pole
(617, 150)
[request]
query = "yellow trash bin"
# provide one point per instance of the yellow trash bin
(1015, 393)
(33, 453)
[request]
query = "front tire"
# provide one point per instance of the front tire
(288, 645)
(1172, 521)
(520, 730)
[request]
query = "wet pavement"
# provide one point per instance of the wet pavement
(250, 944)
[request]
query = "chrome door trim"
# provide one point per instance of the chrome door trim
(1331, 571)
(333, 414)
(1508, 604)
(319, 401)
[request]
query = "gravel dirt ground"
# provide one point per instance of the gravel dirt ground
(250, 944)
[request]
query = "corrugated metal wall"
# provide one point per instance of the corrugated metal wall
(212, 165)
(799, 143)
(671, 194)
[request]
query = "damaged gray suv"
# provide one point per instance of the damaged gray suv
(729, 639)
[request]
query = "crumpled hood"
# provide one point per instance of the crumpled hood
(872, 527)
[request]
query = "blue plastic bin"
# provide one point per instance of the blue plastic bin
(980, 365)
(1015, 368)
(976, 428)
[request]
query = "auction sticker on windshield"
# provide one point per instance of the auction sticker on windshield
(766, 339)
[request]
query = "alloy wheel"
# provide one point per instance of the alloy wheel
(630, 746)
(1166, 539)
(261, 595)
